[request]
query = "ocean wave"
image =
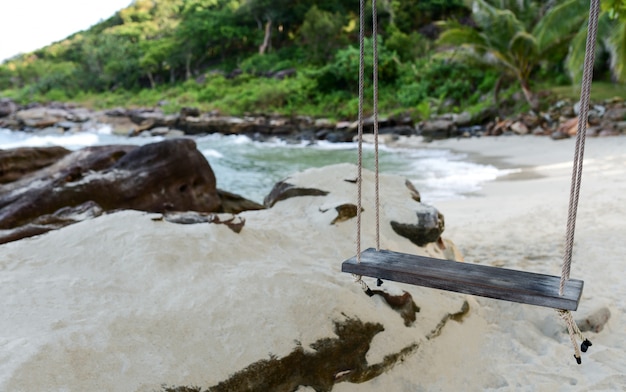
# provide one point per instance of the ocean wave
(250, 168)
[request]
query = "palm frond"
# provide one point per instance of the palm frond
(501, 30)
(576, 57)
(527, 11)
(473, 58)
(524, 46)
(462, 36)
(560, 24)
(616, 45)
(483, 13)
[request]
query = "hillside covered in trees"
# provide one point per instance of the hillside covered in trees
(301, 56)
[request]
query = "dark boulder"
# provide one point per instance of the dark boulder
(89, 159)
(7, 107)
(61, 218)
(284, 190)
(169, 175)
(17, 162)
(437, 129)
(339, 136)
(428, 228)
(189, 112)
(234, 204)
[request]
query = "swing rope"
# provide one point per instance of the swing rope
(577, 172)
(359, 178)
(573, 330)
(375, 109)
(359, 181)
(579, 152)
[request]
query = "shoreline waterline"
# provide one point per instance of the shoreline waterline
(251, 168)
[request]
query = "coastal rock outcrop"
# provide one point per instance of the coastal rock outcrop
(427, 228)
(171, 175)
(401, 213)
(272, 273)
(559, 121)
(7, 107)
(606, 118)
(62, 118)
(45, 223)
(17, 162)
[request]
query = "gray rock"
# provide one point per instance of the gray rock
(41, 117)
(616, 114)
(159, 131)
(437, 129)
(428, 228)
(284, 190)
(558, 135)
(462, 119)
(7, 107)
(519, 128)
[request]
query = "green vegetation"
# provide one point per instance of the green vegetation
(301, 57)
(601, 91)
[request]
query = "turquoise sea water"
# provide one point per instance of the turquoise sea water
(251, 168)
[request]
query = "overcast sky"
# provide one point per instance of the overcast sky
(27, 25)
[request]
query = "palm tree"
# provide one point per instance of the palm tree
(611, 37)
(514, 36)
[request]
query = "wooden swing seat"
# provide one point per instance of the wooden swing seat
(474, 279)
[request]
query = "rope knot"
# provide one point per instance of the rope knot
(574, 332)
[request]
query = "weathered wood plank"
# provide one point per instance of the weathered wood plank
(474, 279)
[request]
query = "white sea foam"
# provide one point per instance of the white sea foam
(239, 139)
(211, 153)
(250, 168)
(104, 129)
(75, 140)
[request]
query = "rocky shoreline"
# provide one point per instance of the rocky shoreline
(60, 118)
(43, 189)
(47, 188)
(606, 118)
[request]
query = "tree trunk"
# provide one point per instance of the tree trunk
(528, 94)
(496, 93)
(388, 7)
(151, 78)
(496, 90)
(188, 67)
(267, 39)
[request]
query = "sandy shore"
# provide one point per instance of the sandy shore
(129, 303)
(519, 222)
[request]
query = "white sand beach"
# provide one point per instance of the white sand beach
(129, 302)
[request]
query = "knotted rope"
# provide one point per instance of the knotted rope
(359, 177)
(577, 170)
(359, 278)
(375, 109)
(585, 93)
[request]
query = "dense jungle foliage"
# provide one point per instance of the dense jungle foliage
(302, 56)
